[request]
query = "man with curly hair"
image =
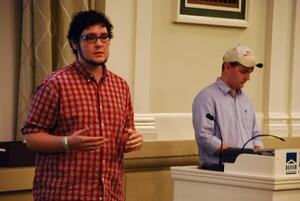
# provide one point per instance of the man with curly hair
(81, 121)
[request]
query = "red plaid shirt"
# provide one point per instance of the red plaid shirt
(68, 100)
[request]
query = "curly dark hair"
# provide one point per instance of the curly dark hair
(82, 20)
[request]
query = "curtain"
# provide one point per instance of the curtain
(44, 45)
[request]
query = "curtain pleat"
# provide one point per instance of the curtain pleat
(44, 47)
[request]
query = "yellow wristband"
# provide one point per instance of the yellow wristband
(65, 143)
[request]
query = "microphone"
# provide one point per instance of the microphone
(212, 118)
(261, 135)
(232, 153)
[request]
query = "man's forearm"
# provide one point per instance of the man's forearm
(44, 142)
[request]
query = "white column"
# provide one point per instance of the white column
(131, 55)
(295, 81)
(277, 68)
(143, 56)
(145, 122)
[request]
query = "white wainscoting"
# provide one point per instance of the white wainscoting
(170, 126)
(295, 124)
(165, 126)
(277, 124)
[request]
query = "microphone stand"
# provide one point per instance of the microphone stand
(210, 117)
(261, 135)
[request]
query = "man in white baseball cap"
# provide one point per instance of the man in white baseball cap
(224, 102)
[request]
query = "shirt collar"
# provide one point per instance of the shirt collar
(82, 70)
(225, 89)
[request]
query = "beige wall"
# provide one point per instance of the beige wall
(187, 57)
(172, 62)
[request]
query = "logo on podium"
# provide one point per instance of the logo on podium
(291, 163)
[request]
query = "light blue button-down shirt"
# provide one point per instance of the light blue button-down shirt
(235, 115)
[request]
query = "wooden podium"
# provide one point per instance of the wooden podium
(251, 177)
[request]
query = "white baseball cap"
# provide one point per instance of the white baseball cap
(243, 55)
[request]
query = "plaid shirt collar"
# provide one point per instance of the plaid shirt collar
(82, 70)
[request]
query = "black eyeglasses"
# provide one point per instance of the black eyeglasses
(91, 38)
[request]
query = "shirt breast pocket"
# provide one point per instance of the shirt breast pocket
(247, 116)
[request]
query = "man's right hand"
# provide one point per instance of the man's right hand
(48, 143)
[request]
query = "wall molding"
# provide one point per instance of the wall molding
(277, 124)
(295, 124)
(295, 82)
(145, 124)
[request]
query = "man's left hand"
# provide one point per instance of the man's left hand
(134, 142)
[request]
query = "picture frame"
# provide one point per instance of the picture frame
(220, 13)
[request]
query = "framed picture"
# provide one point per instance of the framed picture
(213, 12)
